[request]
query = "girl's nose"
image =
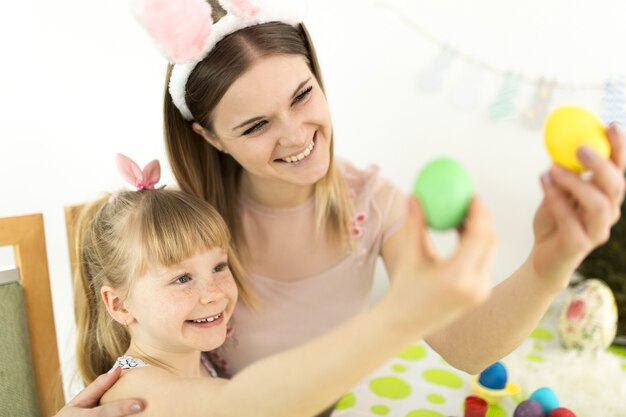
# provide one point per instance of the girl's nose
(210, 292)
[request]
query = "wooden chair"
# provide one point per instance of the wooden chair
(71, 219)
(28, 342)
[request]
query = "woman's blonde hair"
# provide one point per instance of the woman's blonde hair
(119, 241)
(202, 170)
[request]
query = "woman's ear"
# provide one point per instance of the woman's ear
(115, 305)
(214, 141)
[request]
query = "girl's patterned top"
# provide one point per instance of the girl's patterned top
(130, 362)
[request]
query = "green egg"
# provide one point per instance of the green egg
(444, 189)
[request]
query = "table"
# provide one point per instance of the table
(419, 383)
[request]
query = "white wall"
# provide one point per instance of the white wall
(80, 81)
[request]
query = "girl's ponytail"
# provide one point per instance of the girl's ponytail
(100, 340)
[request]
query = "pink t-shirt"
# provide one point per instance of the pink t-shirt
(303, 286)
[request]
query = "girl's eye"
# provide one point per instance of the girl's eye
(302, 95)
(255, 128)
(183, 279)
(220, 267)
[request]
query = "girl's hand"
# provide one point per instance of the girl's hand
(85, 404)
(576, 215)
(444, 288)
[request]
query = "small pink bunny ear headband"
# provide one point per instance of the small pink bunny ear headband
(144, 179)
(186, 33)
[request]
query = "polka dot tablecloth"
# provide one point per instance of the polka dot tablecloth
(419, 383)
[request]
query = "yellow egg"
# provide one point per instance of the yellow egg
(570, 127)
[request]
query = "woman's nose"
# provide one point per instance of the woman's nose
(292, 133)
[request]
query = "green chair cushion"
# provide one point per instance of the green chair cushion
(18, 395)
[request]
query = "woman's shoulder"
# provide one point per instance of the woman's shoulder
(367, 185)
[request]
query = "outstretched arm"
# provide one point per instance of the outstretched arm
(574, 217)
(305, 380)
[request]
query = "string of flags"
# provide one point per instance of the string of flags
(505, 105)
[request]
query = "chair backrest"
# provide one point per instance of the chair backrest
(71, 223)
(27, 333)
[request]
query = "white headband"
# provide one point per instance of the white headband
(186, 33)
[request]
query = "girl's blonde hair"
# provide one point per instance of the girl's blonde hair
(202, 170)
(119, 241)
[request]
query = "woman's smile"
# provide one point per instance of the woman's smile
(302, 156)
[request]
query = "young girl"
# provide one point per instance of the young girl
(158, 283)
(248, 129)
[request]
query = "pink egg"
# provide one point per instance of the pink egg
(561, 412)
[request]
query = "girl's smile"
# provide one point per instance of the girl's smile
(207, 322)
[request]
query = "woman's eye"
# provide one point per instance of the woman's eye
(220, 267)
(183, 279)
(255, 128)
(302, 95)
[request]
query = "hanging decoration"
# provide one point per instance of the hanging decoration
(613, 102)
(505, 104)
(430, 78)
(537, 111)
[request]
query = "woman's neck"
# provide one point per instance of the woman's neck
(186, 364)
(275, 194)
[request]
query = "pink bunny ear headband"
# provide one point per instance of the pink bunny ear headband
(144, 179)
(186, 33)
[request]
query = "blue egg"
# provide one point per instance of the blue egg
(494, 377)
(547, 398)
(529, 408)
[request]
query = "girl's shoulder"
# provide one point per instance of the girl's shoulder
(136, 375)
(154, 385)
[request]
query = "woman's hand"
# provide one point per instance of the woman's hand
(576, 215)
(444, 288)
(85, 404)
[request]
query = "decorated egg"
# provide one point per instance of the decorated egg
(561, 412)
(529, 408)
(546, 398)
(569, 127)
(588, 317)
(444, 190)
(494, 377)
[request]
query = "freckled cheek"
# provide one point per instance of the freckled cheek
(229, 289)
(172, 305)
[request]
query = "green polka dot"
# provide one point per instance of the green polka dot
(436, 399)
(390, 387)
(380, 410)
(538, 346)
(398, 368)
(617, 350)
(347, 401)
(443, 377)
(533, 357)
(495, 411)
(413, 353)
(424, 413)
(541, 333)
